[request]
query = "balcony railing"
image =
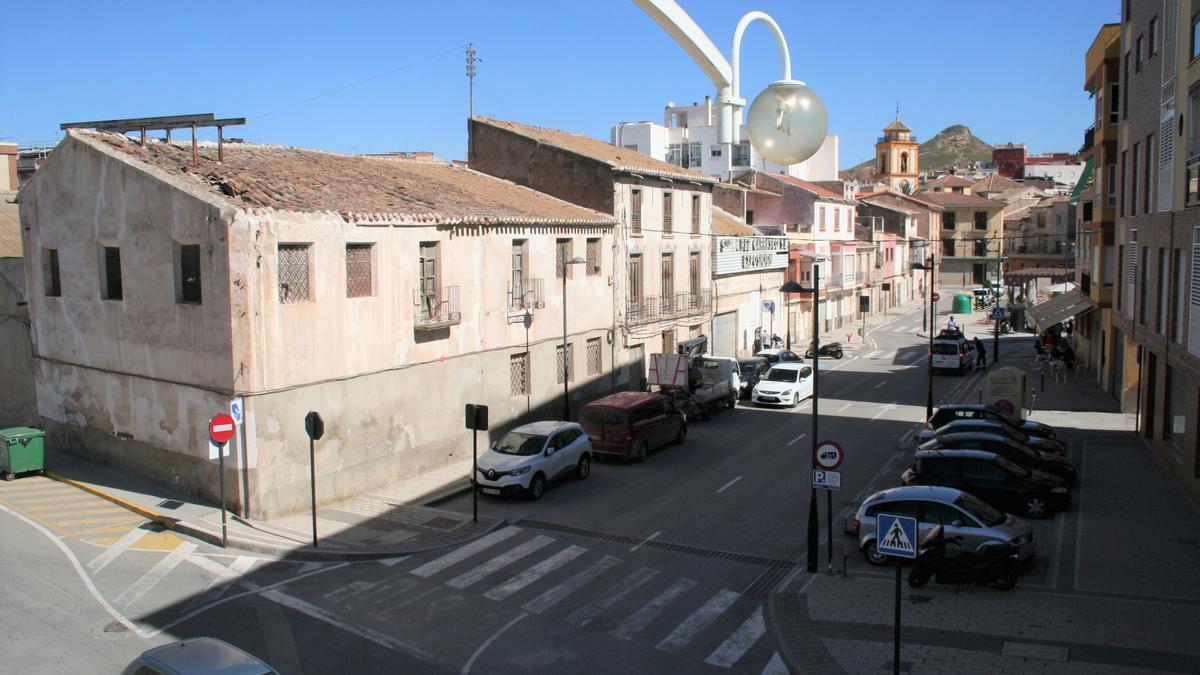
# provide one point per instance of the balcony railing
(653, 308)
(642, 310)
(1089, 138)
(436, 309)
(876, 276)
(693, 303)
(834, 280)
(526, 294)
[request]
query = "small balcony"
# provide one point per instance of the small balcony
(876, 276)
(860, 277)
(524, 294)
(693, 303)
(641, 310)
(834, 279)
(1089, 138)
(436, 309)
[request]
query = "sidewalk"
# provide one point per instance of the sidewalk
(386, 523)
(1115, 590)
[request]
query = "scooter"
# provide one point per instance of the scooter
(996, 563)
(829, 349)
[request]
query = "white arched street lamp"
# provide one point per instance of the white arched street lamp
(787, 122)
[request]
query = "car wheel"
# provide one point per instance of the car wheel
(1008, 577)
(795, 400)
(642, 451)
(919, 576)
(1035, 507)
(537, 487)
(682, 434)
(584, 468)
(874, 556)
(732, 402)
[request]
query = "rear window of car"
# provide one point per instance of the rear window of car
(945, 348)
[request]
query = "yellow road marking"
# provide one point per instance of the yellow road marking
(123, 528)
(114, 518)
(21, 503)
(92, 507)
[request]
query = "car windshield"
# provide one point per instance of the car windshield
(748, 369)
(782, 375)
(980, 509)
(520, 443)
(1012, 468)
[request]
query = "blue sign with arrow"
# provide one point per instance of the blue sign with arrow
(896, 535)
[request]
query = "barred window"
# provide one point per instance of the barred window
(695, 214)
(293, 273)
(593, 257)
(668, 341)
(594, 359)
(358, 270)
(53, 282)
(569, 369)
(112, 274)
(668, 210)
(562, 256)
(187, 274)
(518, 374)
(635, 211)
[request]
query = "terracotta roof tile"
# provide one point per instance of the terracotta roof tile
(896, 126)
(811, 187)
(950, 180)
(618, 158)
(361, 189)
(956, 199)
(726, 224)
(911, 199)
(995, 183)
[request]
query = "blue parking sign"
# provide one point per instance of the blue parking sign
(896, 535)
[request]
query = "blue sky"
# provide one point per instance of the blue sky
(1010, 70)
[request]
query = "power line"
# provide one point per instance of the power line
(362, 81)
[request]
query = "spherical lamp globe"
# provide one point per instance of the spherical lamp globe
(787, 122)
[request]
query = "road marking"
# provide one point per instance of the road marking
(349, 589)
(796, 439)
(775, 666)
(642, 618)
(110, 554)
(471, 661)
(878, 413)
(459, 554)
(156, 574)
(585, 615)
(870, 354)
(555, 595)
(474, 576)
(843, 408)
(643, 542)
(534, 573)
(737, 644)
(685, 632)
(278, 638)
(881, 384)
(223, 577)
(726, 486)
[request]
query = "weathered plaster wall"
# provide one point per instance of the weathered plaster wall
(18, 403)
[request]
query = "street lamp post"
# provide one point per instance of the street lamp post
(565, 362)
(813, 523)
(928, 267)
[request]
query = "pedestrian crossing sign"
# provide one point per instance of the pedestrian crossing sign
(897, 535)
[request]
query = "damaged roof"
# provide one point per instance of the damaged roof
(362, 190)
(10, 226)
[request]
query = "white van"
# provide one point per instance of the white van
(953, 353)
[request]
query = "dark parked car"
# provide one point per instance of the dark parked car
(978, 411)
(750, 371)
(992, 478)
(989, 426)
(629, 424)
(1017, 453)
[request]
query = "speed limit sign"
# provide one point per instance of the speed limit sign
(829, 455)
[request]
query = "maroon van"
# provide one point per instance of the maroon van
(629, 424)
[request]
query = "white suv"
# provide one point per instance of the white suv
(531, 455)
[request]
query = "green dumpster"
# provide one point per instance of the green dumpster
(964, 303)
(21, 450)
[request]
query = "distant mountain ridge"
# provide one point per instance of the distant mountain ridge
(953, 145)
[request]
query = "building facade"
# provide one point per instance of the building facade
(971, 237)
(898, 158)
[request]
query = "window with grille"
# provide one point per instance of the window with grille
(111, 289)
(518, 374)
(358, 270)
(567, 368)
(187, 274)
(294, 282)
(694, 273)
(427, 262)
(635, 211)
(695, 150)
(668, 210)
(594, 359)
(520, 254)
(593, 257)
(668, 341)
(741, 154)
(562, 256)
(668, 277)
(50, 276)
(695, 214)
(635, 279)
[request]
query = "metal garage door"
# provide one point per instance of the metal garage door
(724, 338)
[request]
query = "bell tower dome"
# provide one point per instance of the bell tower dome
(897, 157)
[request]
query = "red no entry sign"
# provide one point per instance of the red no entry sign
(936, 297)
(220, 428)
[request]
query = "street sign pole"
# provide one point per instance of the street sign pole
(474, 471)
(896, 536)
(314, 426)
(221, 471)
(896, 635)
(220, 429)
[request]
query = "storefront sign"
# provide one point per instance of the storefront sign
(735, 255)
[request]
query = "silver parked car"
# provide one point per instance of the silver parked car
(959, 513)
(197, 656)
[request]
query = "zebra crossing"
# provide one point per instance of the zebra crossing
(584, 588)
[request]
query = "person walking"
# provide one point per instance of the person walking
(980, 354)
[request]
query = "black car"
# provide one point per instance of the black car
(989, 426)
(750, 371)
(978, 411)
(1013, 451)
(993, 479)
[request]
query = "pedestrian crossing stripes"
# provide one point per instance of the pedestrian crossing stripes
(156, 574)
(736, 645)
(687, 631)
(458, 555)
(585, 615)
(120, 546)
(650, 611)
(555, 595)
(535, 573)
(498, 563)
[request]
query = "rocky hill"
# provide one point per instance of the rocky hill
(952, 145)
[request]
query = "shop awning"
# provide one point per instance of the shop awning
(1057, 310)
(1084, 179)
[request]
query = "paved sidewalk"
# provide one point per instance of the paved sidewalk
(1117, 591)
(385, 523)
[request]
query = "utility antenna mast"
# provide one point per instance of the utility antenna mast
(471, 74)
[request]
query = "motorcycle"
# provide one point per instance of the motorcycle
(996, 563)
(831, 349)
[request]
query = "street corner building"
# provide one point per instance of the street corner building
(383, 292)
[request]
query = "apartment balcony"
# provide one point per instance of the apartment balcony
(525, 294)
(834, 280)
(1089, 138)
(876, 276)
(650, 309)
(436, 309)
(860, 278)
(694, 303)
(646, 309)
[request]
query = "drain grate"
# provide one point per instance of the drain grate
(766, 582)
(661, 545)
(169, 504)
(115, 627)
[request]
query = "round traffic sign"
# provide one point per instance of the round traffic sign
(936, 297)
(1005, 405)
(829, 455)
(220, 428)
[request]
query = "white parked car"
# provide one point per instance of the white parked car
(784, 384)
(532, 455)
